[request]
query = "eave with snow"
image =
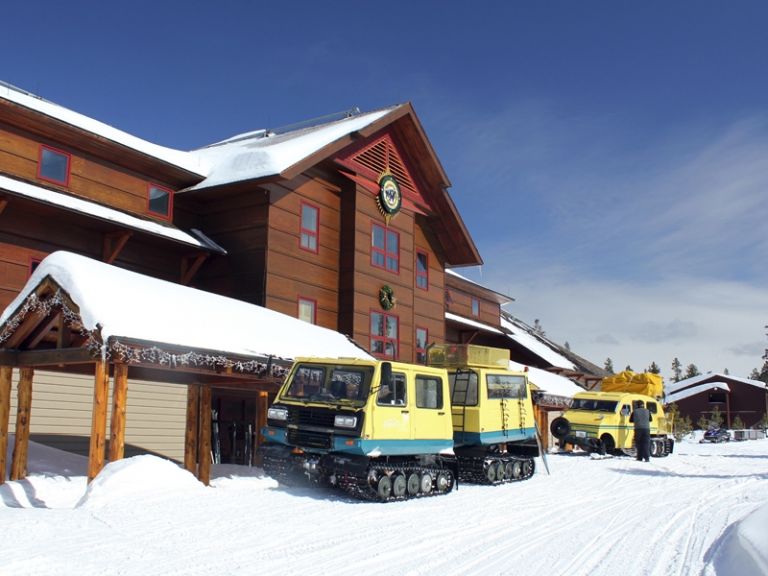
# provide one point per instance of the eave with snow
(80, 315)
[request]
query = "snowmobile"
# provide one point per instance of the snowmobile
(716, 435)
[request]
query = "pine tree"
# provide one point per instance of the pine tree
(755, 374)
(567, 346)
(608, 366)
(691, 371)
(628, 368)
(725, 372)
(537, 329)
(738, 423)
(677, 370)
(653, 368)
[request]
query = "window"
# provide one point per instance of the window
(307, 310)
(422, 270)
(33, 264)
(384, 335)
(429, 392)
(396, 395)
(160, 201)
(651, 407)
(508, 386)
(717, 397)
(54, 166)
(475, 307)
(463, 386)
(385, 248)
(310, 227)
(421, 345)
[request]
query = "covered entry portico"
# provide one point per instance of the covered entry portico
(80, 315)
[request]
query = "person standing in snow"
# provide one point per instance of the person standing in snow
(641, 418)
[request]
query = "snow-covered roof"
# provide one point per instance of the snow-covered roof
(535, 345)
(134, 306)
(692, 391)
(473, 323)
(96, 210)
(260, 153)
(548, 382)
(711, 376)
(185, 160)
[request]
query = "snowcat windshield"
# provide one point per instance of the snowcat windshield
(594, 405)
(331, 384)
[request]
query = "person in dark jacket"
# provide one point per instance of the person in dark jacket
(641, 418)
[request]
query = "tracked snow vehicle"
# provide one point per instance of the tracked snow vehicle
(377, 430)
(492, 413)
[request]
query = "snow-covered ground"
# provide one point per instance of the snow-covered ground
(703, 510)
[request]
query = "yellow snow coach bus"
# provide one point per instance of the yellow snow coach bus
(494, 430)
(378, 430)
(599, 422)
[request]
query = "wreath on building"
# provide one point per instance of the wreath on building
(387, 297)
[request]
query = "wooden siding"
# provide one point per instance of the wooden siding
(90, 178)
(61, 414)
(14, 270)
(460, 303)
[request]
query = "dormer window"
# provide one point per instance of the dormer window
(160, 201)
(53, 166)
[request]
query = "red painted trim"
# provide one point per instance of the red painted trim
(418, 274)
(168, 216)
(308, 231)
(67, 155)
(312, 301)
(374, 338)
(385, 252)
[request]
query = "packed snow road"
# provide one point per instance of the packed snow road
(145, 516)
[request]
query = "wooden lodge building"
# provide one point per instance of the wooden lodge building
(345, 223)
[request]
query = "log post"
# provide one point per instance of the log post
(5, 415)
(117, 424)
(98, 419)
(204, 442)
(262, 405)
(23, 413)
(192, 430)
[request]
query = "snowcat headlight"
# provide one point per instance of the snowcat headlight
(341, 421)
(277, 414)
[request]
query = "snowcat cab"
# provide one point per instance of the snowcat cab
(376, 429)
(493, 421)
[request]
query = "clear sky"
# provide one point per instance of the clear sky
(609, 158)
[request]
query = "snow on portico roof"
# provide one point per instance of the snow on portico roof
(547, 381)
(184, 160)
(692, 391)
(262, 153)
(536, 346)
(97, 210)
(130, 305)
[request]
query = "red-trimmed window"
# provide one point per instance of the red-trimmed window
(54, 165)
(422, 270)
(160, 201)
(421, 345)
(385, 335)
(310, 228)
(307, 310)
(385, 248)
(475, 307)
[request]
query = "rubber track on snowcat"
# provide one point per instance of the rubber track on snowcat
(359, 486)
(473, 469)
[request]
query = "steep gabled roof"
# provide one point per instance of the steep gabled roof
(710, 378)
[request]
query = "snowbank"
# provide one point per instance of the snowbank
(744, 551)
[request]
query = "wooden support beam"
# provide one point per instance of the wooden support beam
(23, 413)
(114, 242)
(204, 439)
(5, 413)
(190, 265)
(192, 430)
(98, 419)
(262, 405)
(117, 424)
(53, 357)
(42, 330)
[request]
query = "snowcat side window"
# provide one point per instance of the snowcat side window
(463, 387)
(625, 410)
(651, 407)
(429, 392)
(396, 395)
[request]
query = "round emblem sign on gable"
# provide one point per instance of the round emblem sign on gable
(390, 199)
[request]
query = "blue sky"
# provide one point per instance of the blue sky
(610, 159)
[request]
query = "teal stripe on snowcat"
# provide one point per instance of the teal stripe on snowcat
(494, 436)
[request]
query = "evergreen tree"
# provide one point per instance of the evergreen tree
(755, 374)
(764, 372)
(629, 368)
(567, 346)
(691, 371)
(738, 423)
(608, 366)
(653, 368)
(537, 329)
(677, 370)
(725, 372)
